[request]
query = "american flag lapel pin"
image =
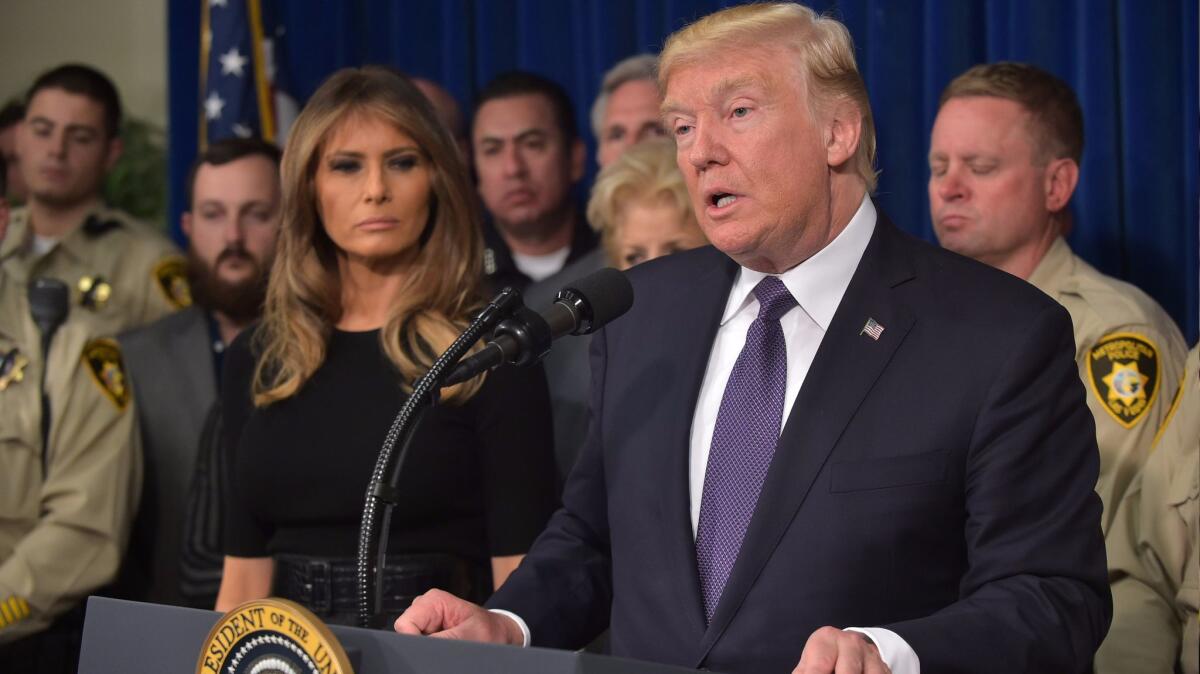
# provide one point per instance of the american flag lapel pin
(872, 329)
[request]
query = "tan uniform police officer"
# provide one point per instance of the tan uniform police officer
(1154, 551)
(70, 469)
(65, 507)
(1130, 356)
(121, 272)
(1004, 162)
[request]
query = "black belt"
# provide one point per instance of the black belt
(329, 586)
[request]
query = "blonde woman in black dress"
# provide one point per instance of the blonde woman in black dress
(378, 270)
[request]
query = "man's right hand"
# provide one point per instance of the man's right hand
(441, 614)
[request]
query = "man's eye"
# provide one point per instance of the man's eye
(633, 258)
(741, 111)
(616, 133)
(682, 129)
(982, 170)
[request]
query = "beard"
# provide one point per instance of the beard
(240, 301)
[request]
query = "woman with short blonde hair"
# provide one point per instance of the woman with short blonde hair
(641, 208)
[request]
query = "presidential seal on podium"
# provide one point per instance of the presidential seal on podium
(271, 636)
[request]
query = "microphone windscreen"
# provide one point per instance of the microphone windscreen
(49, 301)
(606, 292)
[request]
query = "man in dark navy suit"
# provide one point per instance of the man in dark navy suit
(820, 445)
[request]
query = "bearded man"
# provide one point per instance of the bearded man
(175, 363)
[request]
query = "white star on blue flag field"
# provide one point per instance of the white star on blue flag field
(230, 99)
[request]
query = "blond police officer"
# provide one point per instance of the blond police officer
(66, 505)
(120, 272)
(1154, 550)
(1004, 161)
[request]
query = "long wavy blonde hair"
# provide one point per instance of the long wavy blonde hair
(305, 291)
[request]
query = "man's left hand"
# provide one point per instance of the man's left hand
(832, 651)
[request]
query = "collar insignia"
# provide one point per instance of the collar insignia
(96, 225)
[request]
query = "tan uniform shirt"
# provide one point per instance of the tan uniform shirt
(1154, 551)
(62, 533)
(1130, 356)
(119, 270)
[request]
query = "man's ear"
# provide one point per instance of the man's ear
(843, 129)
(1062, 175)
(115, 147)
(578, 159)
(185, 224)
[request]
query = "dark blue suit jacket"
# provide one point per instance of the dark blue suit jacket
(937, 482)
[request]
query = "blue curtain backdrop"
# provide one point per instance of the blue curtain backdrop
(1133, 64)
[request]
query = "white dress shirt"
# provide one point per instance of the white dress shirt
(818, 285)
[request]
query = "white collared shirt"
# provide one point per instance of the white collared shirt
(818, 284)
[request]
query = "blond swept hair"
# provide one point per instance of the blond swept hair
(822, 46)
(645, 172)
(1056, 120)
(304, 294)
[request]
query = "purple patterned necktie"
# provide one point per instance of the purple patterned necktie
(747, 430)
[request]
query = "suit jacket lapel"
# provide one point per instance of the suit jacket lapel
(843, 371)
(698, 319)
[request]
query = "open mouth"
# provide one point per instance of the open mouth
(722, 199)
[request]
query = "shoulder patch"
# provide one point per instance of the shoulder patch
(1124, 373)
(96, 225)
(103, 360)
(171, 277)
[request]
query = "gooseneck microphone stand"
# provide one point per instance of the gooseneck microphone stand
(382, 492)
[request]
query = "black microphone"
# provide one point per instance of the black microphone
(49, 301)
(580, 308)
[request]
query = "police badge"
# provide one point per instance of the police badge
(12, 368)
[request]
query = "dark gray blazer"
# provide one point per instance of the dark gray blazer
(171, 369)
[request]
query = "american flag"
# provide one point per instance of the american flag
(235, 97)
(872, 329)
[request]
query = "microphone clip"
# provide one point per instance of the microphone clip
(531, 333)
